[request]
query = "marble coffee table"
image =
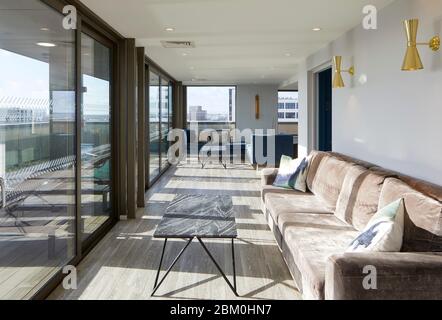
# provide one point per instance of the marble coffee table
(201, 217)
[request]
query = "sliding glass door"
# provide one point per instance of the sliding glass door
(164, 122)
(37, 147)
(160, 123)
(55, 144)
(95, 135)
(154, 127)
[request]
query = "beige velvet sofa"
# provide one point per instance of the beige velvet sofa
(314, 229)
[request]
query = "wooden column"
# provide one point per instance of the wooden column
(141, 70)
(131, 129)
(179, 108)
(121, 191)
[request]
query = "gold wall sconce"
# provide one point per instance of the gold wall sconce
(257, 111)
(338, 82)
(412, 60)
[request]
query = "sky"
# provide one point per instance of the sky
(213, 99)
(24, 77)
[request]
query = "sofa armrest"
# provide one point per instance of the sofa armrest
(268, 176)
(398, 276)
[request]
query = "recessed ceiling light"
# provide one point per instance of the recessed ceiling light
(184, 54)
(317, 29)
(191, 68)
(169, 29)
(44, 29)
(288, 54)
(46, 44)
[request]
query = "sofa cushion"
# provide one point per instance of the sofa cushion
(269, 189)
(347, 158)
(277, 204)
(328, 180)
(315, 160)
(423, 216)
(311, 239)
(359, 197)
(310, 220)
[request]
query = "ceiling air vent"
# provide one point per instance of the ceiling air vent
(178, 44)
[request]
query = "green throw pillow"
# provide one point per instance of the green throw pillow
(384, 232)
(292, 174)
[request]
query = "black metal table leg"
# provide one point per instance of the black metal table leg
(161, 262)
(171, 266)
(219, 268)
(206, 160)
(233, 264)
(224, 164)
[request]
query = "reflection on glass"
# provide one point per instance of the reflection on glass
(95, 136)
(154, 125)
(164, 122)
(170, 104)
(37, 152)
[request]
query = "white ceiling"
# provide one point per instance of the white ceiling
(237, 41)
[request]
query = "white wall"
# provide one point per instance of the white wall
(394, 118)
(245, 106)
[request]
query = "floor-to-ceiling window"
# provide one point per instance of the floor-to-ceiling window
(154, 125)
(95, 134)
(164, 122)
(37, 146)
(211, 107)
(159, 105)
(56, 146)
(288, 107)
(288, 111)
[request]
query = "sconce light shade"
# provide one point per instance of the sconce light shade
(338, 81)
(257, 107)
(412, 60)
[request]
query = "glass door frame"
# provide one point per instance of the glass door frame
(148, 180)
(90, 242)
(94, 27)
(172, 84)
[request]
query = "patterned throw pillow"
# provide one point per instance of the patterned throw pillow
(292, 174)
(384, 232)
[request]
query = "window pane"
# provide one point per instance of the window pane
(95, 135)
(211, 107)
(164, 122)
(170, 104)
(154, 125)
(288, 106)
(37, 152)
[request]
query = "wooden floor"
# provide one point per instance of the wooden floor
(124, 264)
(37, 232)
